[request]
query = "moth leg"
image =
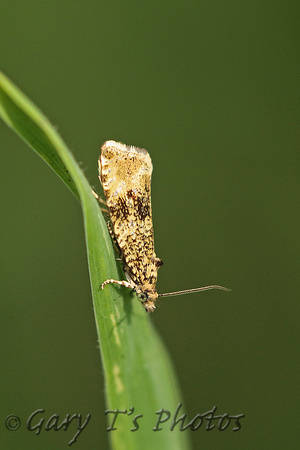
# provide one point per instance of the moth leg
(120, 283)
(100, 200)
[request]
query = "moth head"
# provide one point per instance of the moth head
(148, 297)
(149, 306)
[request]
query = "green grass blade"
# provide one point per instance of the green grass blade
(137, 369)
(30, 124)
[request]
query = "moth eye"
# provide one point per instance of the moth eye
(158, 262)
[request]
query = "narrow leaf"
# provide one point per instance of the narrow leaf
(137, 368)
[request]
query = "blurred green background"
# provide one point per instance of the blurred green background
(211, 90)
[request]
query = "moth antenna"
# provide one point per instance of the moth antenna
(189, 291)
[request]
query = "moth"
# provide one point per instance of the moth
(125, 175)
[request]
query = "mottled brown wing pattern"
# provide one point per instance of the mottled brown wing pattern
(125, 175)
